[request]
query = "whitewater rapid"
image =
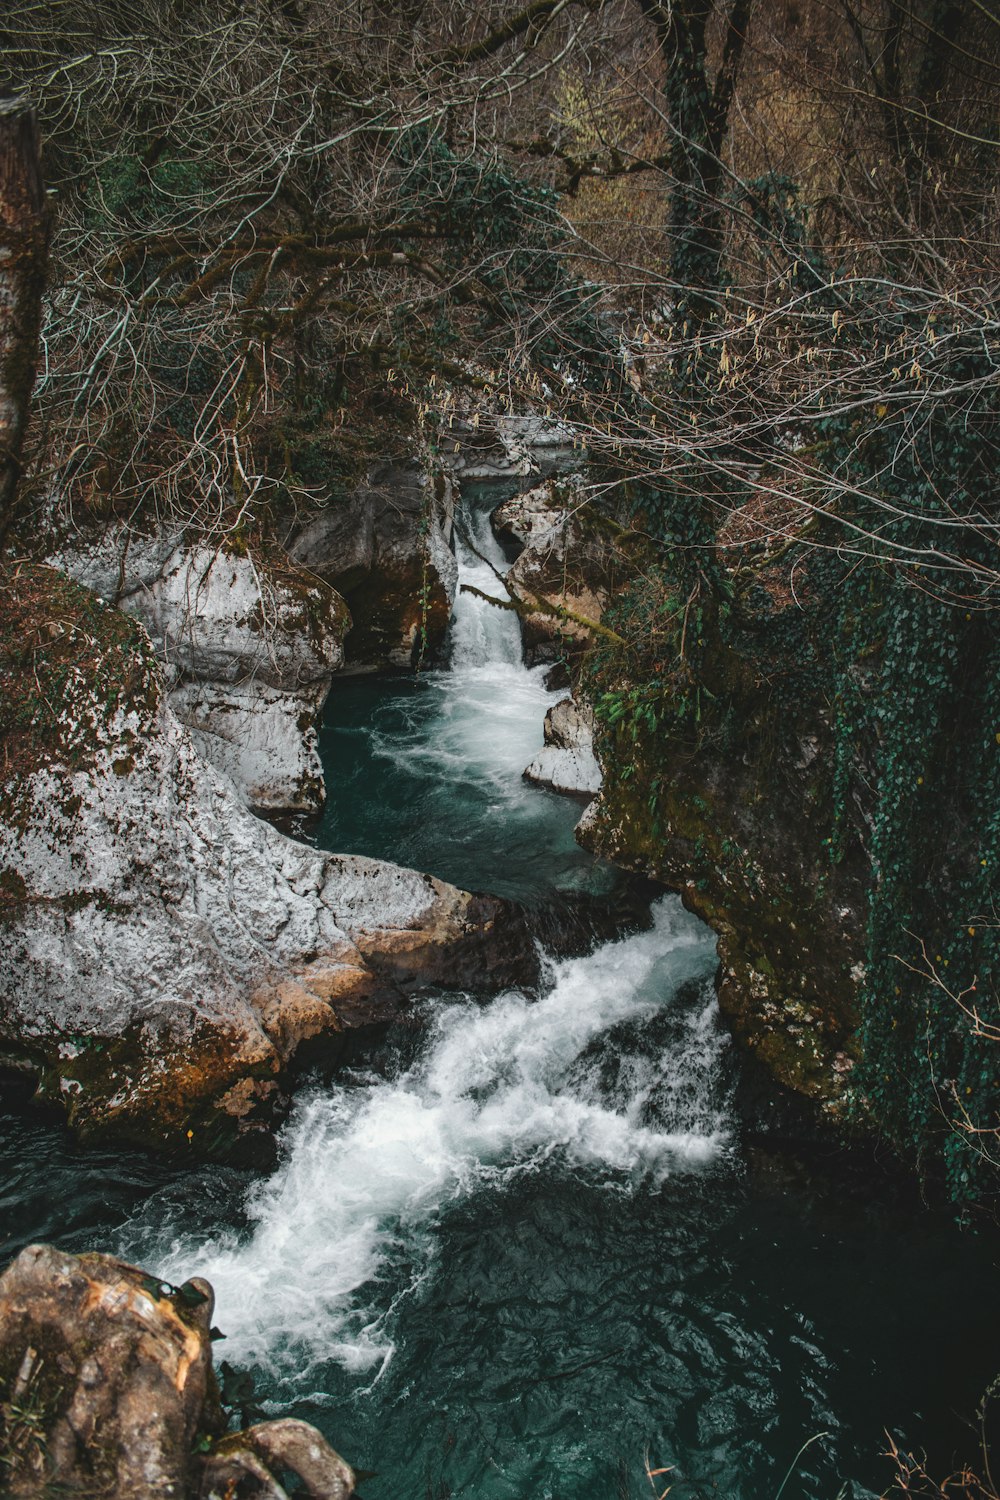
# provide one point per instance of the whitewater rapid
(513, 1086)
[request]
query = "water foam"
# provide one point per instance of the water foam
(481, 634)
(368, 1165)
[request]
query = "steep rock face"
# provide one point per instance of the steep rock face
(732, 812)
(249, 643)
(165, 954)
(562, 562)
(107, 1390)
(387, 549)
(567, 762)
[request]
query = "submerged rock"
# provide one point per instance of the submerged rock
(167, 957)
(568, 763)
(107, 1390)
(249, 643)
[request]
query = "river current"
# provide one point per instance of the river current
(542, 1243)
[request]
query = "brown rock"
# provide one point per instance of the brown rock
(107, 1391)
(105, 1382)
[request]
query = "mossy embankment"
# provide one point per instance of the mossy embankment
(807, 750)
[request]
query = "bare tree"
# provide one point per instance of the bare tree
(24, 226)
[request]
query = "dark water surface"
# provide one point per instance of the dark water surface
(531, 1247)
(552, 1328)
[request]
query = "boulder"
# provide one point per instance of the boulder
(168, 958)
(249, 642)
(568, 763)
(107, 1390)
(105, 1378)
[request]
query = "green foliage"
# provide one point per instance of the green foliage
(512, 232)
(124, 189)
(893, 640)
(915, 683)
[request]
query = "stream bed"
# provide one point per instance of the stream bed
(534, 1246)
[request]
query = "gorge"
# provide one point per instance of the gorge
(499, 749)
(540, 1242)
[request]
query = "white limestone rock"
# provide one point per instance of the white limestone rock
(165, 953)
(567, 763)
(250, 645)
(264, 739)
(562, 561)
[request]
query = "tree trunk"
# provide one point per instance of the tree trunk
(698, 111)
(24, 240)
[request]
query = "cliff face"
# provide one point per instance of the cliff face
(740, 834)
(167, 956)
(386, 547)
(248, 643)
(718, 772)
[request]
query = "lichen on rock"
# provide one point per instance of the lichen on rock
(166, 954)
(249, 642)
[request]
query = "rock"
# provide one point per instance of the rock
(562, 560)
(264, 739)
(105, 1383)
(167, 957)
(496, 446)
(107, 1390)
(387, 549)
(250, 643)
(735, 825)
(259, 1453)
(567, 763)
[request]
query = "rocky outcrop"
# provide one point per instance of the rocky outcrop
(563, 564)
(107, 1390)
(249, 643)
(386, 547)
(729, 807)
(166, 956)
(487, 446)
(567, 762)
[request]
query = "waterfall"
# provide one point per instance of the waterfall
(482, 635)
(613, 1070)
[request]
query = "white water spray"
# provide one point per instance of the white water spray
(482, 635)
(488, 707)
(501, 1089)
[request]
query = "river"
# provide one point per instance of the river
(543, 1242)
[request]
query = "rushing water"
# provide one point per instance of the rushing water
(427, 770)
(529, 1248)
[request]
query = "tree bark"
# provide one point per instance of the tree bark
(24, 243)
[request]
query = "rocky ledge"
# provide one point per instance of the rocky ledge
(248, 641)
(565, 572)
(107, 1390)
(168, 959)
